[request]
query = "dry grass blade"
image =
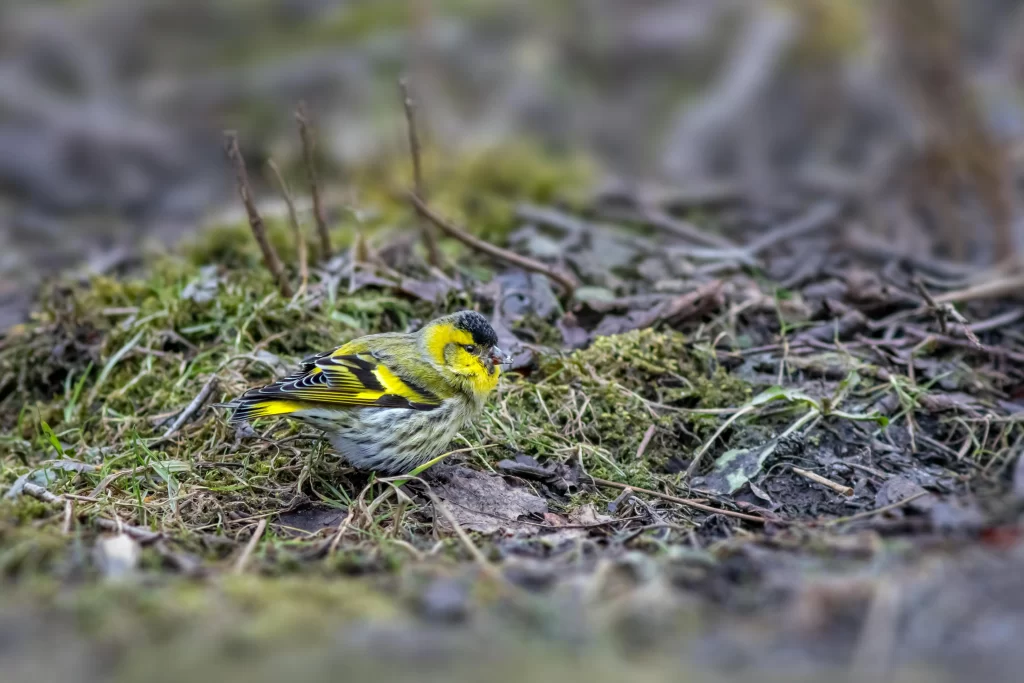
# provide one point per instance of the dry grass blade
(699, 455)
(566, 282)
(293, 219)
(429, 240)
(306, 135)
(475, 552)
(477, 555)
(396, 483)
(254, 540)
(346, 523)
(259, 230)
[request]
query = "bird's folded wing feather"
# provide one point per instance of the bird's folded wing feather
(337, 380)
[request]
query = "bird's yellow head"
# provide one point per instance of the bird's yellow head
(465, 345)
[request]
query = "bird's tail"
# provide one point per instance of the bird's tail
(251, 406)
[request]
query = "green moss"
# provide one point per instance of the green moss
(28, 546)
(247, 610)
(831, 30)
(107, 365)
(479, 188)
(231, 247)
(596, 404)
(24, 509)
(300, 605)
(266, 37)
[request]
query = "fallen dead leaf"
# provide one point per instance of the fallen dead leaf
(434, 290)
(522, 357)
(705, 298)
(573, 335)
(524, 293)
(560, 477)
(486, 502)
(900, 488)
(204, 288)
(310, 519)
(552, 519)
(587, 515)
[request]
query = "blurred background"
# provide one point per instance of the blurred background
(111, 111)
(910, 113)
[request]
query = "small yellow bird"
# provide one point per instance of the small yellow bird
(390, 402)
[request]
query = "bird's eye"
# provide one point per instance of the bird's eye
(469, 347)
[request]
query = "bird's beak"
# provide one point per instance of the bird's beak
(499, 357)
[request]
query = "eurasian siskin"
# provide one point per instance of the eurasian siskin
(389, 402)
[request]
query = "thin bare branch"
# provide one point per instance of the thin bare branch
(293, 218)
(429, 239)
(259, 230)
(302, 117)
(565, 281)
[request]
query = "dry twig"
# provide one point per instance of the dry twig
(510, 257)
(69, 516)
(293, 218)
(993, 289)
(944, 313)
(143, 536)
(679, 501)
(39, 493)
(877, 511)
(259, 230)
(302, 118)
(645, 441)
(819, 216)
(818, 479)
(190, 409)
(933, 306)
(429, 240)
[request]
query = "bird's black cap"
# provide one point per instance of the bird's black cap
(476, 325)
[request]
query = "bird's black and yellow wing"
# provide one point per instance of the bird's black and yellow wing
(341, 379)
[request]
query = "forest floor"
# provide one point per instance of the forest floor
(752, 444)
